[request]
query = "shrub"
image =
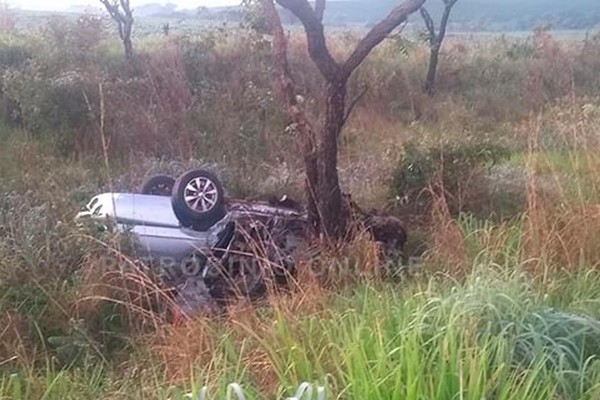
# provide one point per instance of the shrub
(587, 66)
(454, 170)
(46, 77)
(550, 71)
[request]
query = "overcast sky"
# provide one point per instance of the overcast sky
(64, 4)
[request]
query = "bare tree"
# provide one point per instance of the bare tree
(435, 42)
(120, 11)
(327, 210)
(7, 18)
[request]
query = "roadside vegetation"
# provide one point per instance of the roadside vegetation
(496, 178)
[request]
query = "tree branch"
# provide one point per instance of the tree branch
(285, 80)
(398, 32)
(126, 7)
(315, 37)
(120, 11)
(111, 8)
(303, 125)
(378, 33)
(429, 25)
(444, 22)
(320, 9)
(355, 102)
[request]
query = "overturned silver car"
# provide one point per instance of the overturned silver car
(188, 230)
(208, 247)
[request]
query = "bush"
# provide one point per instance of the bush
(45, 78)
(454, 170)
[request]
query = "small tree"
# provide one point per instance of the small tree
(435, 41)
(320, 139)
(120, 11)
(7, 20)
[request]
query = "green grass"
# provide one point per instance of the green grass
(494, 336)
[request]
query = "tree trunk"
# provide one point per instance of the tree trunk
(128, 48)
(329, 195)
(312, 175)
(429, 84)
(435, 44)
(127, 44)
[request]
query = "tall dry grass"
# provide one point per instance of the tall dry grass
(557, 229)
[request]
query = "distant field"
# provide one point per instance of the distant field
(188, 23)
(575, 34)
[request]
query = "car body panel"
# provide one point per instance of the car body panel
(166, 243)
(134, 209)
(157, 232)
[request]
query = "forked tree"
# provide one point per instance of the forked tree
(435, 40)
(327, 209)
(120, 11)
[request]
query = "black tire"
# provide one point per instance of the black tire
(159, 185)
(208, 207)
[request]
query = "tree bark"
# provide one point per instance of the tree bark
(127, 43)
(429, 84)
(329, 200)
(320, 9)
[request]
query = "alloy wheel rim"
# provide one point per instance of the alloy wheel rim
(201, 194)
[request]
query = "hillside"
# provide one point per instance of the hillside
(482, 14)
(469, 15)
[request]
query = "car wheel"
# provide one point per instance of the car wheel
(198, 199)
(159, 185)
